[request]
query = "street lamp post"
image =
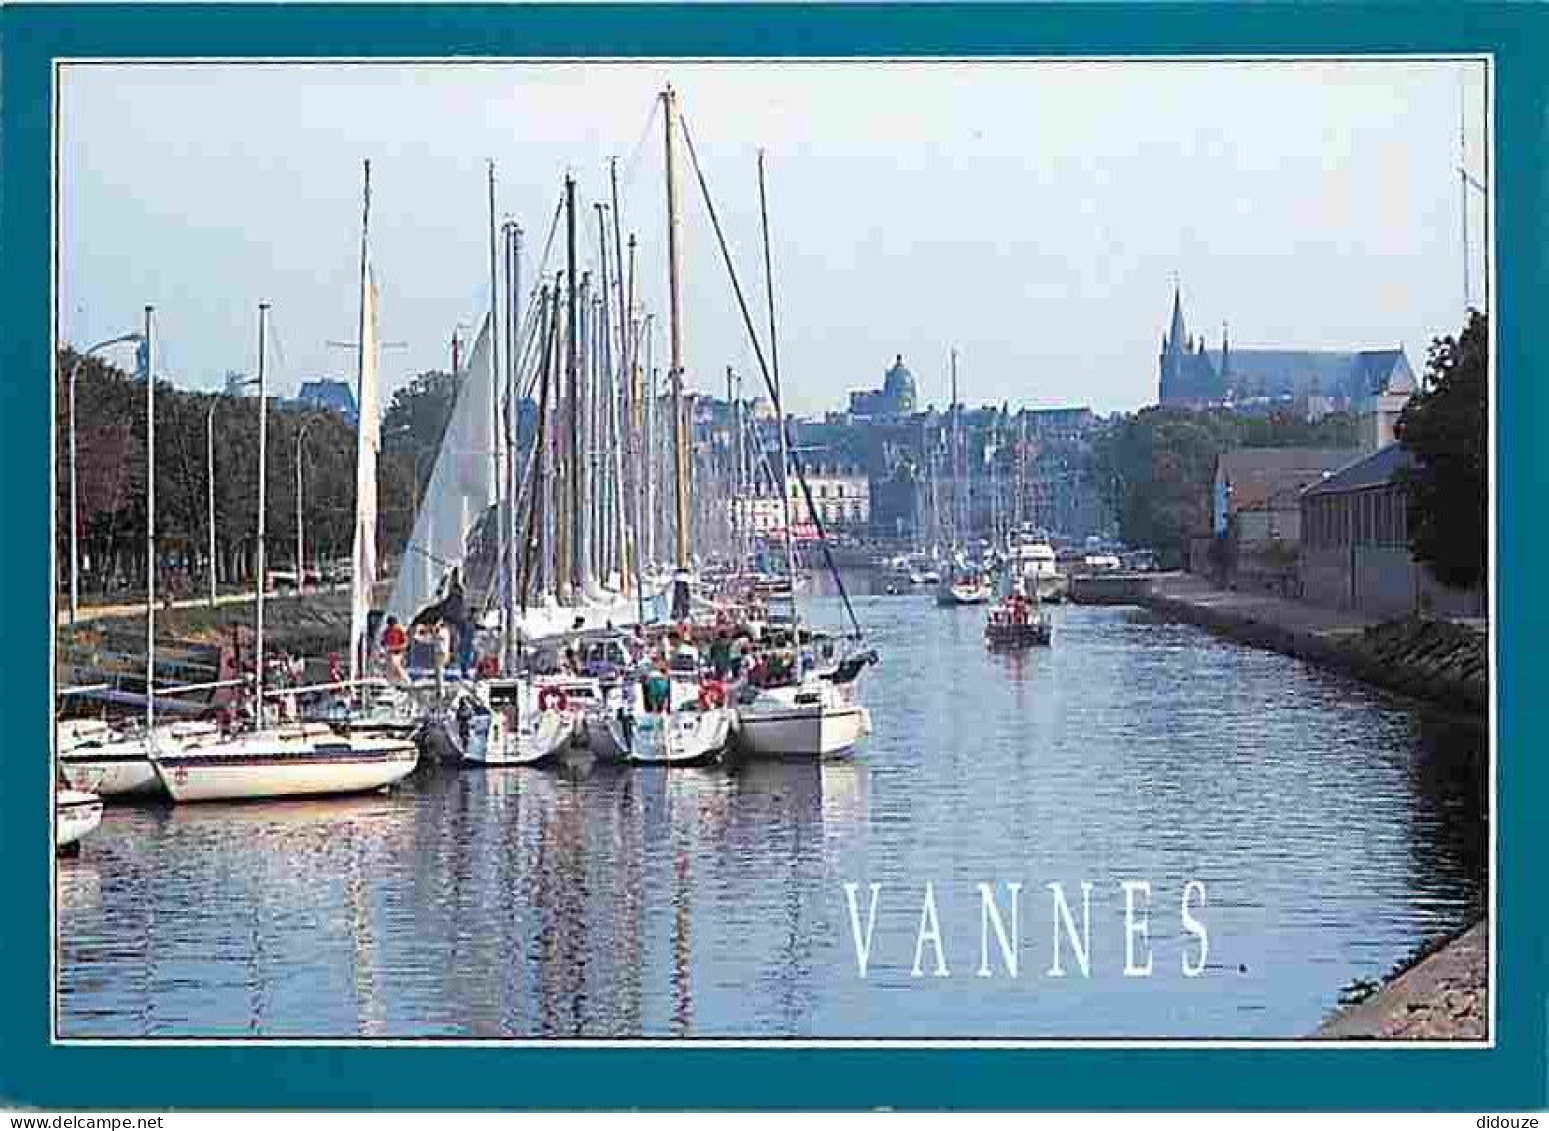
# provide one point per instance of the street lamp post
(209, 455)
(301, 582)
(75, 525)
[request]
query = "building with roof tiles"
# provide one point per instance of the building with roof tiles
(1309, 382)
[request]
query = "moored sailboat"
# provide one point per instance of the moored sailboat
(305, 759)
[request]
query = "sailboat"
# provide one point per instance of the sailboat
(819, 714)
(306, 758)
(961, 582)
(687, 723)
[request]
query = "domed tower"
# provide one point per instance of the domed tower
(898, 388)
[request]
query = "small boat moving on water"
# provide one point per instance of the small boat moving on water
(963, 587)
(1018, 622)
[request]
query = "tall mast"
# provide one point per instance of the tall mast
(957, 470)
(632, 544)
(150, 527)
(263, 466)
(361, 559)
(495, 372)
(573, 579)
(675, 317)
(779, 405)
(513, 235)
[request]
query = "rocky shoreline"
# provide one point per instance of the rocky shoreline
(1438, 661)
(1445, 996)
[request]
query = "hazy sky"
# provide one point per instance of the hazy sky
(1031, 214)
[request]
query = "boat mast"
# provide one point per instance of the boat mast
(150, 529)
(779, 399)
(361, 559)
(263, 431)
(495, 371)
(958, 535)
(675, 321)
(573, 574)
(513, 234)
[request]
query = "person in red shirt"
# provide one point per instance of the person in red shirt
(395, 642)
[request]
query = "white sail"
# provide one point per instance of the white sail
(459, 493)
(368, 431)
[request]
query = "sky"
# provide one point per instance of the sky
(1033, 215)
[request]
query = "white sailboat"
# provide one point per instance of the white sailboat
(692, 729)
(109, 763)
(306, 759)
(819, 714)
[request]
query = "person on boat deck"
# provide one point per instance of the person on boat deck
(720, 655)
(656, 691)
(395, 642)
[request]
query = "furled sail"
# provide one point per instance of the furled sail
(368, 444)
(459, 494)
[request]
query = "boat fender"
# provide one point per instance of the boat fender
(712, 694)
(552, 698)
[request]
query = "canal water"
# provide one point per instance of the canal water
(1333, 829)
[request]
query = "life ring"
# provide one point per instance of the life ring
(712, 694)
(552, 698)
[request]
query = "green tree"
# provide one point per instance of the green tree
(1446, 427)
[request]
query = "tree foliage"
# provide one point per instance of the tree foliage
(1158, 465)
(110, 442)
(1446, 427)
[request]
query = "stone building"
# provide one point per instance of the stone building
(896, 397)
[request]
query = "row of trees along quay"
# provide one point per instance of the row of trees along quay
(1158, 464)
(110, 475)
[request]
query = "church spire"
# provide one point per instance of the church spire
(1176, 335)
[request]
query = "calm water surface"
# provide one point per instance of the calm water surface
(1334, 830)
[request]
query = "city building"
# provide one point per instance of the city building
(1312, 383)
(841, 498)
(896, 398)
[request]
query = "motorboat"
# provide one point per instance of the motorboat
(1034, 563)
(963, 587)
(1018, 622)
(287, 760)
(817, 717)
(76, 813)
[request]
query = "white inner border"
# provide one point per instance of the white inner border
(1492, 588)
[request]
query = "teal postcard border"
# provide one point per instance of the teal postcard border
(1511, 1076)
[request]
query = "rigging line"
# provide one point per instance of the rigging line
(769, 382)
(645, 134)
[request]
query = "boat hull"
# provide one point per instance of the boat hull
(248, 771)
(112, 775)
(679, 738)
(542, 742)
(76, 813)
(817, 731)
